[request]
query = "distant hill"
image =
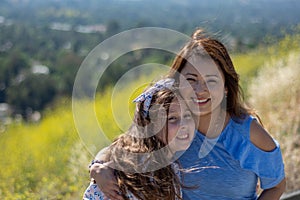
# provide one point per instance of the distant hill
(249, 20)
(58, 34)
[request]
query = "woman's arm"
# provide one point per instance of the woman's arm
(105, 179)
(103, 175)
(273, 193)
(262, 140)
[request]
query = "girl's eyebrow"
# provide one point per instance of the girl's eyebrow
(175, 110)
(173, 114)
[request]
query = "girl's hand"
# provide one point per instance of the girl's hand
(106, 181)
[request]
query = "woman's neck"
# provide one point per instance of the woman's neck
(211, 125)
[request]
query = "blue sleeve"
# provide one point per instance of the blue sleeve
(268, 166)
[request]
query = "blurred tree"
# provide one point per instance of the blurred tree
(113, 27)
(12, 67)
(65, 71)
(32, 93)
(14, 64)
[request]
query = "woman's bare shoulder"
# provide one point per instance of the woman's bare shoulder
(260, 137)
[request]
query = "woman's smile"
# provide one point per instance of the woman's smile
(202, 85)
(200, 101)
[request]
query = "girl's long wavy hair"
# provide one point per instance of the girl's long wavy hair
(205, 46)
(162, 183)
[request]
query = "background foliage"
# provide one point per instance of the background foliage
(58, 35)
(48, 159)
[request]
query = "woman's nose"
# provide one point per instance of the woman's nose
(200, 87)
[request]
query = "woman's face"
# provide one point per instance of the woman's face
(202, 85)
(181, 126)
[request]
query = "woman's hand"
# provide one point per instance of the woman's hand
(106, 181)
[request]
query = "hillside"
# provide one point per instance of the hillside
(43, 43)
(48, 160)
(275, 93)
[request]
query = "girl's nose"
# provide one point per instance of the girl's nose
(183, 123)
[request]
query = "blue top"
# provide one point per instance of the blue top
(228, 167)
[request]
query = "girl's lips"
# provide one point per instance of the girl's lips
(183, 136)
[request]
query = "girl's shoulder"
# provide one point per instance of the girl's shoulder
(93, 192)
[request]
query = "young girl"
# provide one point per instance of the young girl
(142, 158)
(231, 145)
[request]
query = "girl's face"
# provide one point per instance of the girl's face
(202, 85)
(181, 126)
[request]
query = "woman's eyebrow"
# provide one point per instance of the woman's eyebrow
(191, 74)
(208, 75)
(212, 75)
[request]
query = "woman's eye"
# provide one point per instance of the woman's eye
(191, 79)
(211, 81)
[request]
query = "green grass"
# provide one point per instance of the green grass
(35, 158)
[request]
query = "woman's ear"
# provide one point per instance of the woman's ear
(225, 92)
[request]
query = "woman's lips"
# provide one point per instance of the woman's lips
(201, 101)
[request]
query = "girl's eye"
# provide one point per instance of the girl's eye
(188, 116)
(172, 119)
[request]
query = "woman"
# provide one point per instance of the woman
(230, 140)
(231, 148)
(142, 157)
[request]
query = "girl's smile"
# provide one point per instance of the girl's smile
(181, 126)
